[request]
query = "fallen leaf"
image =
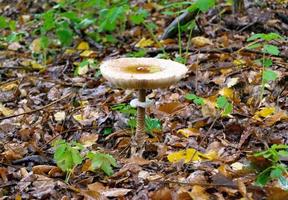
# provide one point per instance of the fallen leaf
(264, 112)
(83, 46)
(188, 132)
(88, 139)
(282, 115)
(171, 107)
(116, 192)
(200, 41)
(227, 92)
(231, 82)
(163, 194)
(144, 43)
(87, 53)
(35, 46)
(59, 116)
(189, 155)
(5, 111)
(199, 193)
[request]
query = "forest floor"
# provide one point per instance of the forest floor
(194, 150)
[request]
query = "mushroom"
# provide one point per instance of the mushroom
(141, 74)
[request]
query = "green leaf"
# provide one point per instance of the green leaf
(276, 172)
(67, 156)
(48, 20)
(269, 75)
(272, 36)
(152, 124)
(197, 100)
(205, 5)
(283, 153)
(228, 109)
(3, 22)
(271, 49)
(65, 36)
(44, 42)
(102, 161)
(267, 62)
(264, 177)
(254, 46)
(221, 102)
(255, 37)
(12, 25)
(107, 131)
(139, 17)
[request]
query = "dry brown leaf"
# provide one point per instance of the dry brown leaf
(171, 107)
(199, 193)
(116, 192)
(163, 194)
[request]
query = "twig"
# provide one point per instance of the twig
(204, 50)
(38, 109)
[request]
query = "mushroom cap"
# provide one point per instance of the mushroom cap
(142, 73)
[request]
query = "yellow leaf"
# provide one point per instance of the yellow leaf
(227, 92)
(87, 53)
(239, 62)
(144, 43)
(37, 66)
(79, 117)
(9, 86)
(69, 51)
(83, 46)
(187, 155)
(211, 155)
(200, 41)
(264, 112)
(188, 132)
(35, 46)
(5, 111)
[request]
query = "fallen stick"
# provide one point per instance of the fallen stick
(38, 109)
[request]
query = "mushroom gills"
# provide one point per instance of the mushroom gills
(141, 69)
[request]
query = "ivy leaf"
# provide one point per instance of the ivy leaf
(269, 75)
(102, 161)
(271, 49)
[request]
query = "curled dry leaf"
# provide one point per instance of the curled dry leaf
(201, 41)
(199, 193)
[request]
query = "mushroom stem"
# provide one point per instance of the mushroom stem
(139, 138)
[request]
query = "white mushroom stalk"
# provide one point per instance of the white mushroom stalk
(142, 74)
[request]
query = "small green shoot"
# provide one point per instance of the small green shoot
(67, 156)
(277, 170)
(102, 161)
(197, 100)
(262, 41)
(223, 104)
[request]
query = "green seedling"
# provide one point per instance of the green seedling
(224, 105)
(102, 161)
(277, 169)
(67, 156)
(263, 41)
(197, 100)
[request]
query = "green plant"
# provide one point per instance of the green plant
(198, 6)
(277, 170)
(102, 161)
(224, 105)
(197, 100)
(262, 41)
(68, 156)
(151, 124)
